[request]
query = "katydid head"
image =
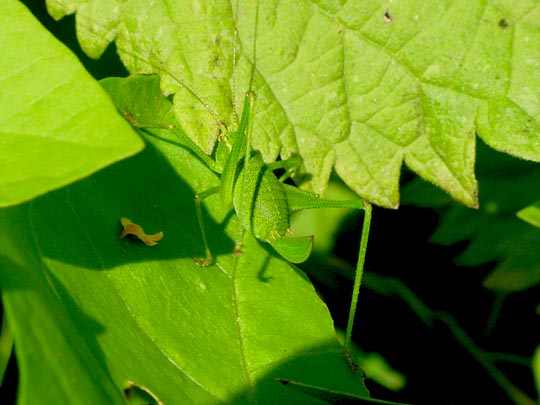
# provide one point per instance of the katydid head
(223, 149)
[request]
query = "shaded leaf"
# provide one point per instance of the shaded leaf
(58, 362)
(333, 397)
(136, 230)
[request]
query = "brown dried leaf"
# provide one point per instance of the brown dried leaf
(133, 229)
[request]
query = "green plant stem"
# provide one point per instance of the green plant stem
(358, 276)
(495, 312)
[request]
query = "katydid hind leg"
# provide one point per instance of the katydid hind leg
(357, 281)
(300, 199)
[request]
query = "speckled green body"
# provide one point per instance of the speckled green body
(260, 201)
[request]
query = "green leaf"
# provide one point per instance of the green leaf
(56, 124)
(531, 214)
(359, 87)
(133, 316)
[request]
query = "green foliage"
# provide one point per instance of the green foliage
(355, 87)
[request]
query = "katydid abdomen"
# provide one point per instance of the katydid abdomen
(260, 201)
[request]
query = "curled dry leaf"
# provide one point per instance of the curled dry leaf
(133, 229)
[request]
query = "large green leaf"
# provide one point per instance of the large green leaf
(56, 123)
(115, 313)
(358, 86)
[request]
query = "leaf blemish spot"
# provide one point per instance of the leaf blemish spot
(387, 17)
(131, 119)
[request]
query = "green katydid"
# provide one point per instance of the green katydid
(261, 201)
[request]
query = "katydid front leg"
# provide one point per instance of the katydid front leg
(229, 176)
